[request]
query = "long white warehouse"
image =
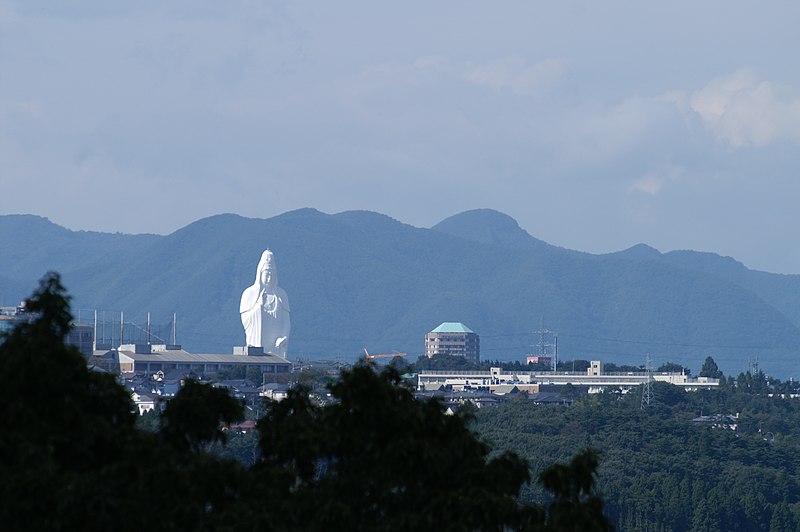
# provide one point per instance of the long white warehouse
(593, 378)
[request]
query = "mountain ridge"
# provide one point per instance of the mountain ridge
(362, 278)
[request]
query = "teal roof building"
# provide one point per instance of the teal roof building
(452, 327)
(453, 338)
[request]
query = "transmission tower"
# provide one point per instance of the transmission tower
(647, 387)
(548, 344)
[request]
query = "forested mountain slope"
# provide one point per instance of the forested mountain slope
(363, 279)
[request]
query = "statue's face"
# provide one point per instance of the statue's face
(268, 274)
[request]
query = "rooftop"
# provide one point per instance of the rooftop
(181, 356)
(452, 327)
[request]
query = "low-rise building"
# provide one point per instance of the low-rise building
(275, 391)
(594, 380)
(537, 359)
(729, 421)
(149, 359)
(143, 402)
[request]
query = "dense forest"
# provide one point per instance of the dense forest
(662, 468)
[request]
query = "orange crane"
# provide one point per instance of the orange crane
(382, 355)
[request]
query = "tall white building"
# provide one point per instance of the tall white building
(455, 339)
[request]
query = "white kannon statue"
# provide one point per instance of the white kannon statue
(265, 309)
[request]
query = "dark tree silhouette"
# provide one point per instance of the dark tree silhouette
(710, 369)
(377, 459)
(195, 417)
(576, 506)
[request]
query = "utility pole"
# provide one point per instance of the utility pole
(647, 387)
(555, 353)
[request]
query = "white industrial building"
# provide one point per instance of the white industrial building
(150, 358)
(594, 379)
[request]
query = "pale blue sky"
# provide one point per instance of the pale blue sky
(597, 125)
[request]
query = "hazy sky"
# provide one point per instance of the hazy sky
(596, 124)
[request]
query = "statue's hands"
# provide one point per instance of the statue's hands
(280, 342)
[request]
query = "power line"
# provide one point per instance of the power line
(675, 344)
(646, 342)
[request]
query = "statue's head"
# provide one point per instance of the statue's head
(267, 275)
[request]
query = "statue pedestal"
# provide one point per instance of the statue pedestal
(248, 350)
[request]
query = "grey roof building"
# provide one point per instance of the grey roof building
(146, 358)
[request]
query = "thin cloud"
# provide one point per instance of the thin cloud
(515, 74)
(635, 128)
(512, 73)
(746, 111)
(653, 181)
(650, 185)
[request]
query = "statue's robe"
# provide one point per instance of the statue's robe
(266, 318)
